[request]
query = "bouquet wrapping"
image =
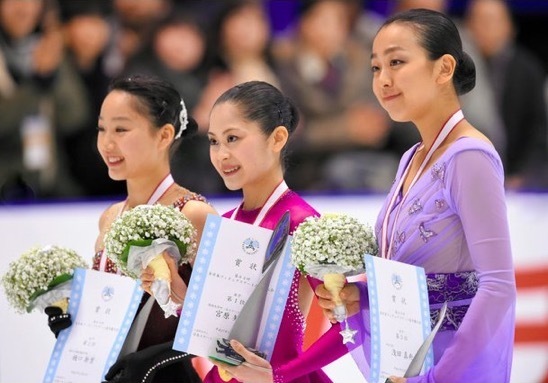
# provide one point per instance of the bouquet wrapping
(330, 248)
(142, 236)
(41, 277)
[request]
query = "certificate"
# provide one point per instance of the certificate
(228, 266)
(102, 307)
(399, 316)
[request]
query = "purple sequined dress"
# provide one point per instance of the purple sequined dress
(286, 358)
(454, 224)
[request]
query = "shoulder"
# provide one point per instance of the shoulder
(195, 207)
(470, 161)
(472, 147)
(193, 202)
(109, 215)
(298, 207)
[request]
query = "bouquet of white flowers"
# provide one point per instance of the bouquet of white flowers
(140, 237)
(330, 248)
(41, 277)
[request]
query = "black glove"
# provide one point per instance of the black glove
(57, 321)
(141, 366)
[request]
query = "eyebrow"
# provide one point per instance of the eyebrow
(117, 118)
(226, 131)
(387, 51)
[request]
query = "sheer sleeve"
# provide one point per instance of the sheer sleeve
(483, 342)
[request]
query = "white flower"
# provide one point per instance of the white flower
(37, 271)
(332, 239)
(145, 223)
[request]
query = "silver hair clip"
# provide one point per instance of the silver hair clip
(183, 119)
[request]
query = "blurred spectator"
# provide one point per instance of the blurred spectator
(479, 106)
(344, 131)
(41, 102)
(518, 79)
(177, 53)
(239, 52)
(132, 27)
(87, 35)
(240, 43)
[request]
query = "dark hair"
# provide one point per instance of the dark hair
(263, 103)
(438, 35)
(158, 100)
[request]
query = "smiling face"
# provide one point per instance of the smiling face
(128, 143)
(404, 78)
(239, 150)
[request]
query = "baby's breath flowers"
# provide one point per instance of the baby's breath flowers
(332, 239)
(142, 225)
(330, 248)
(38, 272)
(141, 237)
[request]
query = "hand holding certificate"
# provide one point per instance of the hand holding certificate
(231, 259)
(84, 352)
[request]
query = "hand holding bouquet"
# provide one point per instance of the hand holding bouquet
(330, 248)
(140, 238)
(41, 277)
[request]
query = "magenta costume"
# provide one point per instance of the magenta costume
(453, 223)
(290, 364)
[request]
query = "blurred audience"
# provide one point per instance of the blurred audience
(177, 52)
(518, 78)
(132, 26)
(344, 131)
(87, 35)
(240, 51)
(57, 58)
(41, 102)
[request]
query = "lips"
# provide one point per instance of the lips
(390, 97)
(230, 170)
(112, 160)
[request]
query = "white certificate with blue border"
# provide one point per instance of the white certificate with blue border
(102, 307)
(227, 268)
(399, 316)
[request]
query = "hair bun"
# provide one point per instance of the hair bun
(465, 74)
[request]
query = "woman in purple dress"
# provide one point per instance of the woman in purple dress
(446, 211)
(249, 128)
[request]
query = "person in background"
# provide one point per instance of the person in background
(447, 186)
(518, 79)
(240, 51)
(87, 35)
(249, 128)
(142, 120)
(177, 52)
(341, 141)
(41, 103)
(132, 25)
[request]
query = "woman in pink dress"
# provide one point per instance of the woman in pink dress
(446, 211)
(249, 128)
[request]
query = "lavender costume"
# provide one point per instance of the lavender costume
(289, 363)
(454, 224)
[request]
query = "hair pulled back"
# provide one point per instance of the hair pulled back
(438, 35)
(158, 100)
(263, 103)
